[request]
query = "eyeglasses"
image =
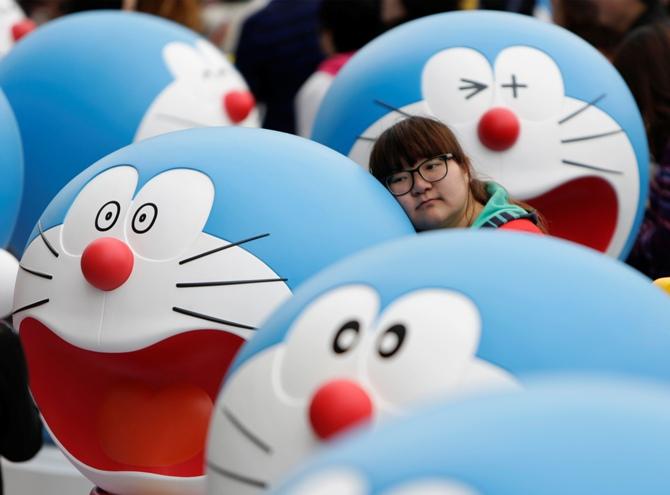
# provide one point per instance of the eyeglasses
(430, 170)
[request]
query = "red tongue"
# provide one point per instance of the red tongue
(141, 427)
(583, 210)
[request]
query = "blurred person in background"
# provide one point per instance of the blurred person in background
(278, 50)
(20, 425)
(605, 23)
(344, 27)
(642, 61)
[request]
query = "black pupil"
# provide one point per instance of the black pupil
(346, 337)
(108, 216)
(394, 336)
(143, 217)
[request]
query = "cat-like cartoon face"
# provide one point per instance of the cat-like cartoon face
(143, 278)
(207, 91)
(557, 436)
(534, 108)
(13, 25)
(130, 76)
(418, 318)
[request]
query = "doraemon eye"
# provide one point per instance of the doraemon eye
(346, 337)
(107, 216)
(529, 82)
(98, 209)
(144, 218)
(169, 213)
(391, 340)
(426, 341)
(326, 334)
(456, 84)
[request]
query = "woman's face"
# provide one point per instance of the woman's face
(441, 204)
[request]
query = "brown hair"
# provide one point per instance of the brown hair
(642, 61)
(416, 138)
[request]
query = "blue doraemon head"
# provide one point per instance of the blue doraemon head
(88, 84)
(11, 170)
(11, 188)
(426, 316)
(149, 270)
(578, 436)
(580, 154)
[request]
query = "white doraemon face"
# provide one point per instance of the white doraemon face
(13, 25)
(343, 360)
(565, 156)
(138, 313)
(207, 91)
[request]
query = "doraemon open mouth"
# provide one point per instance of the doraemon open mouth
(583, 210)
(147, 410)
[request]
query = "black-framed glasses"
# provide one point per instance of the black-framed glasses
(430, 170)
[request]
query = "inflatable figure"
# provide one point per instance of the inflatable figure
(535, 107)
(423, 317)
(13, 25)
(11, 187)
(85, 85)
(561, 436)
(149, 270)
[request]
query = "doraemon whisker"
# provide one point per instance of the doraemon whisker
(214, 319)
(577, 112)
(186, 285)
(46, 242)
(179, 120)
(216, 250)
(391, 107)
(592, 167)
(593, 136)
(237, 477)
(30, 306)
(246, 432)
(36, 273)
(366, 138)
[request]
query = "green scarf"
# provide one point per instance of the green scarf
(498, 203)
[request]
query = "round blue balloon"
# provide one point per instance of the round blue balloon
(149, 270)
(11, 170)
(420, 318)
(563, 435)
(88, 84)
(580, 156)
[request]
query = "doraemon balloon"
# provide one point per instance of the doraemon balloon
(85, 85)
(11, 187)
(535, 107)
(13, 25)
(149, 270)
(578, 436)
(424, 317)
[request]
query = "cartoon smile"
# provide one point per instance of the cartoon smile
(136, 313)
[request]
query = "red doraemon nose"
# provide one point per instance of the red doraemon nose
(21, 28)
(107, 263)
(337, 406)
(498, 129)
(238, 105)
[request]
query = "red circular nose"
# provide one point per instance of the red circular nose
(337, 406)
(21, 28)
(498, 129)
(107, 263)
(238, 105)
